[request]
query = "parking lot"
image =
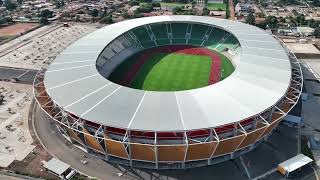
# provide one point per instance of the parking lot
(15, 139)
(41, 50)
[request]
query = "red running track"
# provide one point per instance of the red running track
(180, 49)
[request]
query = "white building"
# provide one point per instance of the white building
(305, 31)
(210, 1)
(243, 8)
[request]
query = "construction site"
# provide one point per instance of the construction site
(20, 59)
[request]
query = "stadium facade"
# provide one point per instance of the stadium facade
(174, 129)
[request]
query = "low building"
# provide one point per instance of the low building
(293, 164)
(305, 31)
(59, 168)
(243, 8)
(218, 14)
(210, 1)
(215, 1)
(132, 9)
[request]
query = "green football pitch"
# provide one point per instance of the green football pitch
(170, 71)
(173, 72)
(227, 67)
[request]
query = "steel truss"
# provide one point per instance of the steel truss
(179, 152)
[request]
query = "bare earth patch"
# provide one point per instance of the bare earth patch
(16, 29)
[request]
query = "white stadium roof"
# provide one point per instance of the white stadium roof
(261, 78)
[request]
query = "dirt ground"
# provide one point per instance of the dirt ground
(41, 50)
(27, 153)
(16, 29)
(32, 164)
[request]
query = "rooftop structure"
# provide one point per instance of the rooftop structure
(243, 8)
(171, 129)
(56, 166)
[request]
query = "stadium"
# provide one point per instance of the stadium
(170, 92)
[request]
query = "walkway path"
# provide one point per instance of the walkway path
(231, 9)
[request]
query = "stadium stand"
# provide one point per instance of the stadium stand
(231, 43)
(162, 34)
(179, 30)
(160, 30)
(198, 31)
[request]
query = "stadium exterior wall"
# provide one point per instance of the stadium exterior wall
(161, 153)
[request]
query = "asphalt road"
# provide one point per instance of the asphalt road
(5, 177)
(58, 146)
(25, 76)
(280, 146)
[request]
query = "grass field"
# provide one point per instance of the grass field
(168, 72)
(227, 67)
(117, 74)
(216, 6)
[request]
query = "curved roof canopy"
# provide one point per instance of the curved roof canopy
(261, 78)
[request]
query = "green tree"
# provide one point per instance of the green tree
(1, 2)
(313, 23)
(137, 13)
(316, 3)
(146, 1)
(193, 4)
(107, 20)
(2, 21)
(300, 19)
(176, 10)
(5, 20)
(28, 16)
(235, 2)
(205, 11)
(19, 1)
(272, 22)
(59, 3)
(77, 18)
(80, 12)
(134, 3)
(146, 8)
(46, 13)
(291, 21)
(316, 32)
(44, 21)
(250, 19)
(8, 19)
(125, 15)
(156, 4)
(95, 13)
(183, 1)
(10, 5)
